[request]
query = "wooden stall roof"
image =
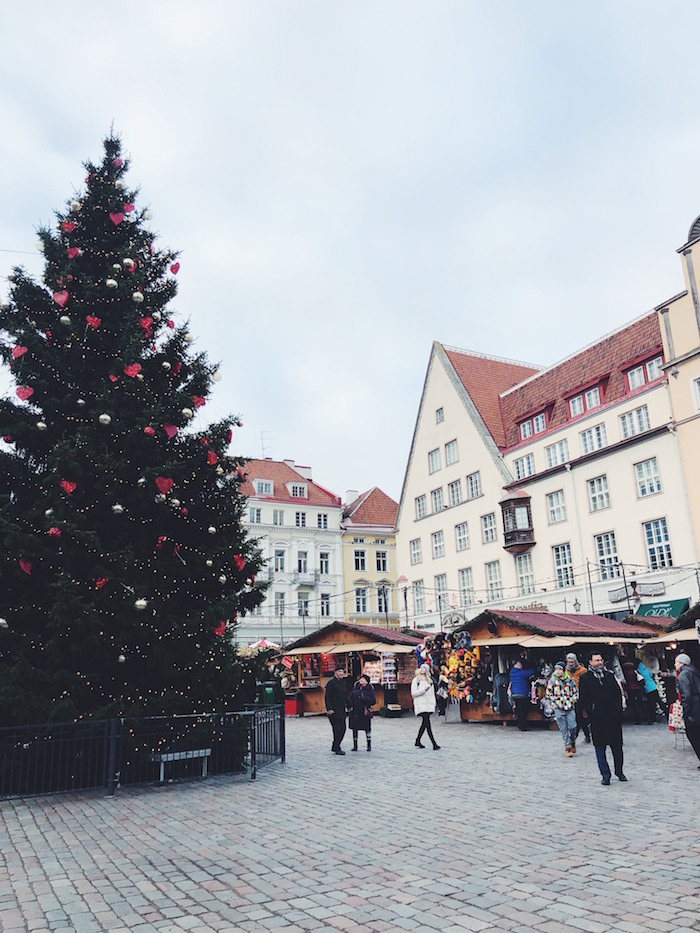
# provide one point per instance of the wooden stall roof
(348, 636)
(576, 626)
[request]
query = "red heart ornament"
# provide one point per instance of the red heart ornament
(175, 268)
(219, 628)
(198, 401)
(113, 378)
(128, 208)
(72, 252)
(116, 218)
(54, 532)
(149, 431)
(26, 565)
(133, 369)
(68, 226)
(61, 298)
(211, 457)
(164, 484)
(68, 486)
(24, 392)
(170, 430)
(100, 582)
(93, 321)
(17, 352)
(171, 324)
(7, 438)
(147, 324)
(238, 561)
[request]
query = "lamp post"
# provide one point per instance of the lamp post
(404, 580)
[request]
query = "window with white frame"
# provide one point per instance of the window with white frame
(255, 516)
(635, 377)
(279, 604)
(300, 519)
(526, 577)
(436, 500)
(298, 491)
(441, 591)
(361, 599)
(473, 485)
(303, 605)
(325, 604)
(438, 542)
(525, 430)
(303, 561)
(466, 587)
(360, 560)
(653, 368)
(563, 567)
(381, 561)
(648, 478)
(556, 454)
(462, 536)
(434, 460)
(524, 466)
(278, 516)
(454, 491)
(439, 416)
(598, 493)
(657, 542)
(263, 487)
(421, 506)
(324, 562)
(606, 550)
(592, 398)
(556, 507)
(416, 551)
(488, 527)
(593, 439)
(494, 587)
(576, 406)
(634, 422)
(383, 599)
(279, 560)
(419, 597)
(322, 520)
(539, 423)
(451, 453)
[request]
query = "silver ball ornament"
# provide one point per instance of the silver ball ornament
(138, 297)
(105, 419)
(141, 603)
(212, 530)
(117, 508)
(65, 320)
(222, 578)
(42, 425)
(128, 263)
(121, 658)
(80, 402)
(187, 413)
(166, 365)
(210, 563)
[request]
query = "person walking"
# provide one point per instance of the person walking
(688, 686)
(602, 700)
(563, 693)
(423, 693)
(520, 692)
(633, 685)
(361, 701)
(336, 705)
(575, 669)
(651, 692)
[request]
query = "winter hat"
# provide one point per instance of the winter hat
(572, 655)
(683, 658)
(559, 664)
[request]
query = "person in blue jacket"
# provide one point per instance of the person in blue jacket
(520, 692)
(651, 692)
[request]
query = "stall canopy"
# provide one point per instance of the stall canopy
(665, 609)
(343, 637)
(684, 634)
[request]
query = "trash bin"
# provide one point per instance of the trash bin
(268, 693)
(292, 704)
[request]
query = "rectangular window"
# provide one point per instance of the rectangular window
(436, 500)
(421, 507)
(556, 507)
(576, 406)
(454, 491)
(441, 591)
(526, 578)
(635, 377)
(451, 453)
(325, 604)
(658, 547)
(606, 549)
(466, 587)
(556, 454)
(279, 604)
(653, 368)
(593, 439)
(324, 562)
(300, 519)
(382, 560)
(382, 599)
(438, 542)
(462, 536)
(524, 466)
(598, 493)
(416, 551)
(488, 527)
(634, 422)
(539, 423)
(439, 416)
(473, 485)
(278, 517)
(298, 492)
(648, 479)
(361, 599)
(322, 520)
(360, 561)
(255, 516)
(263, 487)
(493, 580)
(525, 430)
(279, 561)
(434, 460)
(302, 561)
(303, 605)
(419, 597)
(592, 398)
(563, 567)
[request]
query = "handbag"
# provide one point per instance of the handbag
(369, 712)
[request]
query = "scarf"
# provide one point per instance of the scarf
(599, 673)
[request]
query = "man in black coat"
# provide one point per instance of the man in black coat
(601, 697)
(336, 705)
(688, 685)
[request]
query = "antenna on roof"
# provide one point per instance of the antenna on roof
(263, 448)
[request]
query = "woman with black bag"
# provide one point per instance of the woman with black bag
(361, 701)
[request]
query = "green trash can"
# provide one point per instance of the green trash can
(268, 693)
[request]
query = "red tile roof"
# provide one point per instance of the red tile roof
(554, 623)
(281, 473)
(373, 507)
(485, 378)
(367, 633)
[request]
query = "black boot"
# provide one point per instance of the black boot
(354, 743)
(369, 743)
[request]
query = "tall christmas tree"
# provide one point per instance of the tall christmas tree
(123, 560)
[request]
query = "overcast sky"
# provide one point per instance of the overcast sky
(349, 181)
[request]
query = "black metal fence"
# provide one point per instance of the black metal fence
(63, 757)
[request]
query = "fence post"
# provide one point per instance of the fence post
(111, 767)
(253, 744)
(283, 734)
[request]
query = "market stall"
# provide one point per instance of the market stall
(388, 657)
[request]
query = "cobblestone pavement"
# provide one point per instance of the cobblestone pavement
(495, 831)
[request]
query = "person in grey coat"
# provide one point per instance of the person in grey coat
(688, 685)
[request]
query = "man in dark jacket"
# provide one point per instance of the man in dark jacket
(602, 699)
(688, 685)
(336, 705)
(520, 692)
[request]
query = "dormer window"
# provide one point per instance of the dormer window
(264, 487)
(539, 423)
(592, 398)
(525, 430)
(645, 372)
(298, 491)
(586, 400)
(576, 406)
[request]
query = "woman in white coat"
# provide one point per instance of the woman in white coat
(423, 693)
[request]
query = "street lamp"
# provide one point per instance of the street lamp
(577, 606)
(404, 581)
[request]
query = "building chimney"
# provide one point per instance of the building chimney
(304, 471)
(351, 495)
